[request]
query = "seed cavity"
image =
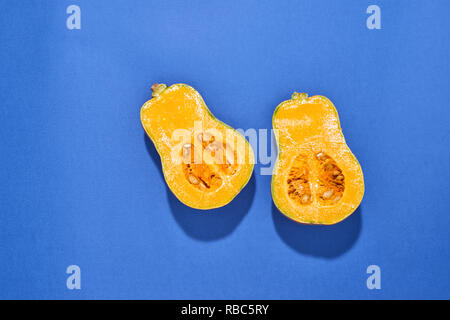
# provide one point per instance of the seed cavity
(315, 177)
(299, 188)
(208, 175)
(331, 180)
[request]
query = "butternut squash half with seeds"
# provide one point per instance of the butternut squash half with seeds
(205, 162)
(316, 179)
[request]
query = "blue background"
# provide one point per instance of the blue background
(81, 184)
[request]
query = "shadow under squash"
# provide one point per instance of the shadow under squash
(317, 240)
(207, 225)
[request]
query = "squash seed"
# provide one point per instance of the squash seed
(328, 194)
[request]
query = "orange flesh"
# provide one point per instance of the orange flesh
(205, 162)
(317, 179)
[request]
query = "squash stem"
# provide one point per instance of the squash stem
(157, 89)
(299, 96)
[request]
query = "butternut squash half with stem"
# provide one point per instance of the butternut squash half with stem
(316, 178)
(205, 162)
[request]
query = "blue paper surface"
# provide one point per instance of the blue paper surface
(81, 184)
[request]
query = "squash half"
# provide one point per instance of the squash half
(205, 162)
(316, 178)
